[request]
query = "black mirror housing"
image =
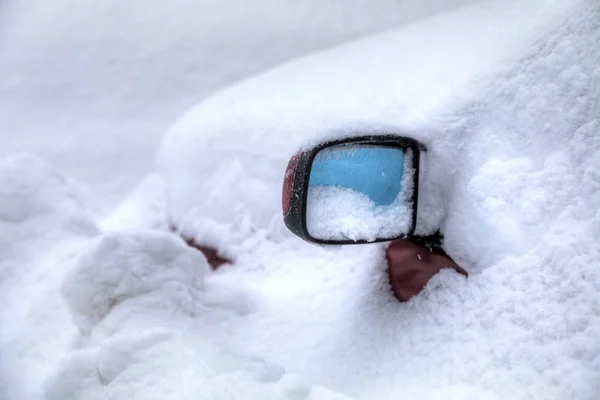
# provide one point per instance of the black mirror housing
(298, 173)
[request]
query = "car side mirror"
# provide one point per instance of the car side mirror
(357, 190)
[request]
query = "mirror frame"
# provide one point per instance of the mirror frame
(301, 165)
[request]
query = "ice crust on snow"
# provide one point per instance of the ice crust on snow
(506, 97)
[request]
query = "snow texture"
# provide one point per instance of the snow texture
(92, 86)
(149, 318)
(42, 225)
(336, 213)
(506, 97)
(224, 161)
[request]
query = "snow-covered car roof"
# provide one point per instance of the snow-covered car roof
(479, 86)
(506, 97)
(505, 94)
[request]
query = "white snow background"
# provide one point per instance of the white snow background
(506, 97)
(92, 86)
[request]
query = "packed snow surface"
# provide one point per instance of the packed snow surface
(506, 97)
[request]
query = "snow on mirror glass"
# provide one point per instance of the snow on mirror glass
(360, 192)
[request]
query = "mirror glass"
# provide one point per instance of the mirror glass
(360, 192)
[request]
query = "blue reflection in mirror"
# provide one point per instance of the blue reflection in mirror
(372, 170)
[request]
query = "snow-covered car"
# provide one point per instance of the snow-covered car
(505, 97)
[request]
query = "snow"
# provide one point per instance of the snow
(335, 213)
(381, 93)
(147, 312)
(505, 95)
(42, 226)
(121, 267)
(92, 87)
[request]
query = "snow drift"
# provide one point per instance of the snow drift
(43, 223)
(130, 314)
(150, 325)
(89, 84)
(483, 85)
(506, 97)
(504, 94)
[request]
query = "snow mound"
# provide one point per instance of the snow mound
(152, 322)
(506, 97)
(118, 267)
(223, 162)
(42, 224)
(32, 190)
(87, 83)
